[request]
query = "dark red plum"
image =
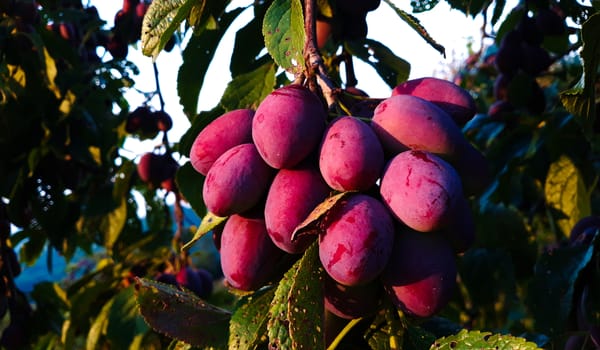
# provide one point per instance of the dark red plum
(293, 194)
(351, 157)
(453, 99)
(248, 256)
(357, 241)
(351, 302)
(421, 190)
(404, 122)
(288, 126)
(420, 277)
(230, 129)
(236, 181)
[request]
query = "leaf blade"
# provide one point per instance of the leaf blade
(283, 31)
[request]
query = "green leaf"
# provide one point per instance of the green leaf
(197, 56)
(208, 223)
(160, 22)
(248, 325)
(416, 25)
(249, 89)
(482, 340)
(566, 194)
(391, 68)
(113, 223)
(124, 322)
(553, 284)
(190, 182)
(283, 30)
(182, 315)
(580, 100)
(296, 312)
(98, 328)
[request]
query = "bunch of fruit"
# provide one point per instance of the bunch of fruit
(127, 27)
(158, 170)
(521, 53)
(146, 123)
(405, 175)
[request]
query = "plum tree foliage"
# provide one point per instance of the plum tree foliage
(455, 212)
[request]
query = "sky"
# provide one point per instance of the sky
(384, 26)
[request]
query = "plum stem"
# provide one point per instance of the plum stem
(314, 61)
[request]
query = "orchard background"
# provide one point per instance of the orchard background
(513, 262)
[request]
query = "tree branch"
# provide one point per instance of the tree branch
(314, 61)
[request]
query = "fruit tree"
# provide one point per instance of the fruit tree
(458, 211)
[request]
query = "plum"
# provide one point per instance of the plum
(248, 256)
(351, 157)
(421, 190)
(155, 168)
(420, 277)
(357, 240)
(351, 302)
(288, 126)
(228, 130)
(236, 181)
(453, 99)
(405, 122)
(293, 194)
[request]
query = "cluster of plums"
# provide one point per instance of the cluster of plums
(146, 122)
(158, 170)
(195, 279)
(406, 172)
(520, 52)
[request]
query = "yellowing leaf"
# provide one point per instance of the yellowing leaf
(51, 73)
(208, 223)
(566, 194)
(67, 102)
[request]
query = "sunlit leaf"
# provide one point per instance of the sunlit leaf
(113, 223)
(295, 316)
(482, 340)
(283, 30)
(248, 324)
(566, 194)
(249, 89)
(160, 22)
(182, 315)
(208, 223)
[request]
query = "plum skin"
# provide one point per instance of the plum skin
(228, 130)
(237, 181)
(404, 122)
(357, 241)
(421, 190)
(453, 99)
(421, 275)
(350, 157)
(288, 125)
(248, 256)
(293, 194)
